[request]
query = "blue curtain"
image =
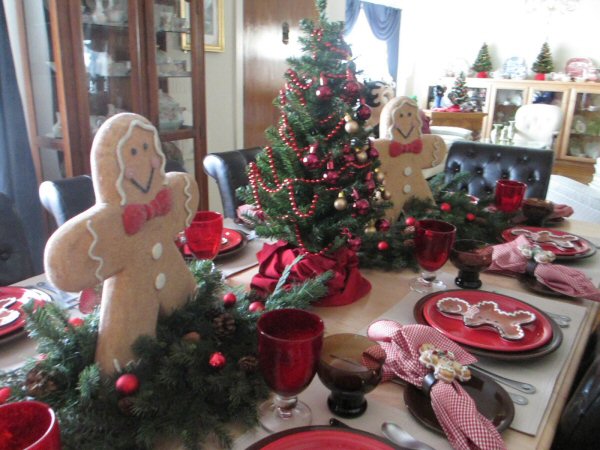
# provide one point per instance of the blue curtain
(385, 24)
(17, 174)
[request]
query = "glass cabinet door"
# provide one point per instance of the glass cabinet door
(506, 101)
(583, 141)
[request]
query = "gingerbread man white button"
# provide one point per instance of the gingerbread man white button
(157, 251)
(408, 171)
(407, 188)
(161, 280)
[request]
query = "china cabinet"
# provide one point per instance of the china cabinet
(91, 59)
(578, 144)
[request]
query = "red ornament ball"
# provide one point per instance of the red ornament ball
(5, 393)
(256, 307)
(229, 299)
(127, 384)
(410, 221)
(446, 207)
(382, 246)
(324, 93)
(373, 153)
(363, 112)
(351, 90)
(331, 176)
(383, 225)
(471, 217)
(354, 243)
(362, 206)
(76, 322)
(311, 161)
(217, 360)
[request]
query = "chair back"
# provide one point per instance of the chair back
(488, 163)
(68, 197)
(15, 256)
(229, 171)
(537, 125)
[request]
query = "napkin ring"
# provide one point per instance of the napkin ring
(428, 381)
(444, 364)
(530, 267)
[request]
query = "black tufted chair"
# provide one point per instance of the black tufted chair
(229, 171)
(68, 197)
(489, 162)
(15, 257)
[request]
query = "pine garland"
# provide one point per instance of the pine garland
(180, 396)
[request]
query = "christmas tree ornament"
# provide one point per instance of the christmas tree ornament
(373, 153)
(470, 217)
(347, 148)
(383, 225)
(217, 360)
(331, 176)
(229, 299)
(446, 207)
(483, 63)
(352, 127)
(387, 195)
(224, 325)
(363, 112)
(362, 206)
(192, 336)
(379, 175)
(362, 156)
(349, 158)
(323, 92)
(255, 307)
(340, 203)
(127, 384)
(370, 228)
(410, 221)
(355, 243)
(382, 246)
(5, 394)
(76, 322)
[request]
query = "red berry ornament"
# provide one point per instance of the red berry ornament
(256, 307)
(382, 246)
(362, 206)
(383, 225)
(311, 161)
(229, 299)
(351, 90)
(324, 93)
(363, 112)
(4, 394)
(446, 207)
(471, 217)
(410, 221)
(76, 322)
(354, 243)
(127, 384)
(217, 360)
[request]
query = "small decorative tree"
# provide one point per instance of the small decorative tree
(543, 64)
(459, 93)
(483, 63)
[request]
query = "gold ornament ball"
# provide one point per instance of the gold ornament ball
(340, 204)
(351, 127)
(387, 195)
(379, 176)
(370, 229)
(362, 157)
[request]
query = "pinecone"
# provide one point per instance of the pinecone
(248, 364)
(213, 312)
(39, 383)
(125, 405)
(224, 325)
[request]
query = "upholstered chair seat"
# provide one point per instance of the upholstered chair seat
(537, 125)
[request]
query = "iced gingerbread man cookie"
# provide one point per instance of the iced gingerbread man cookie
(404, 151)
(127, 239)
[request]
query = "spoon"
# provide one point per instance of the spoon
(515, 384)
(402, 437)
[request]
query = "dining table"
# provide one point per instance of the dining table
(390, 297)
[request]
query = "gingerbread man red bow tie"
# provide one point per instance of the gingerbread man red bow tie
(397, 149)
(137, 214)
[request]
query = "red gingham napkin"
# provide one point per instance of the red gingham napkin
(455, 410)
(566, 280)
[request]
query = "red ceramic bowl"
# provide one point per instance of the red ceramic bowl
(28, 425)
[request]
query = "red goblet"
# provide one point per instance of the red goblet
(433, 241)
(509, 195)
(289, 348)
(203, 236)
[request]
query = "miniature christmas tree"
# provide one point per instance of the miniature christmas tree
(317, 186)
(482, 64)
(459, 93)
(543, 64)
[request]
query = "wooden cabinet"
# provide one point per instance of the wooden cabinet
(91, 59)
(578, 144)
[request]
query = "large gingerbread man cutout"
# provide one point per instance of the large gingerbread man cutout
(404, 151)
(127, 239)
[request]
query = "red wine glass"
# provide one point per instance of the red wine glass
(433, 241)
(203, 236)
(289, 348)
(509, 195)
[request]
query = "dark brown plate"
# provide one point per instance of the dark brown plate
(492, 401)
(551, 346)
(324, 437)
(534, 285)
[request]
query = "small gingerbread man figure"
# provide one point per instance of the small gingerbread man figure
(127, 239)
(404, 151)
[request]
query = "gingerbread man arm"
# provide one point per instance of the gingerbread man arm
(434, 151)
(76, 258)
(185, 199)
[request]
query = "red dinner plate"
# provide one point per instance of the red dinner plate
(581, 246)
(323, 437)
(22, 296)
(537, 333)
(234, 240)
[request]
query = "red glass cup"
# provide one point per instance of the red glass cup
(433, 242)
(203, 236)
(509, 195)
(289, 349)
(29, 425)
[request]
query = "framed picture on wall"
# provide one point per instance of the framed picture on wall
(213, 26)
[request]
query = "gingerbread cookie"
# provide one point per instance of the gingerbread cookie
(404, 151)
(444, 364)
(127, 239)
(508, 324)
(8, 316)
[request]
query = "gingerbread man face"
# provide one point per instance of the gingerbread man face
(404, 152)
(127, 239)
